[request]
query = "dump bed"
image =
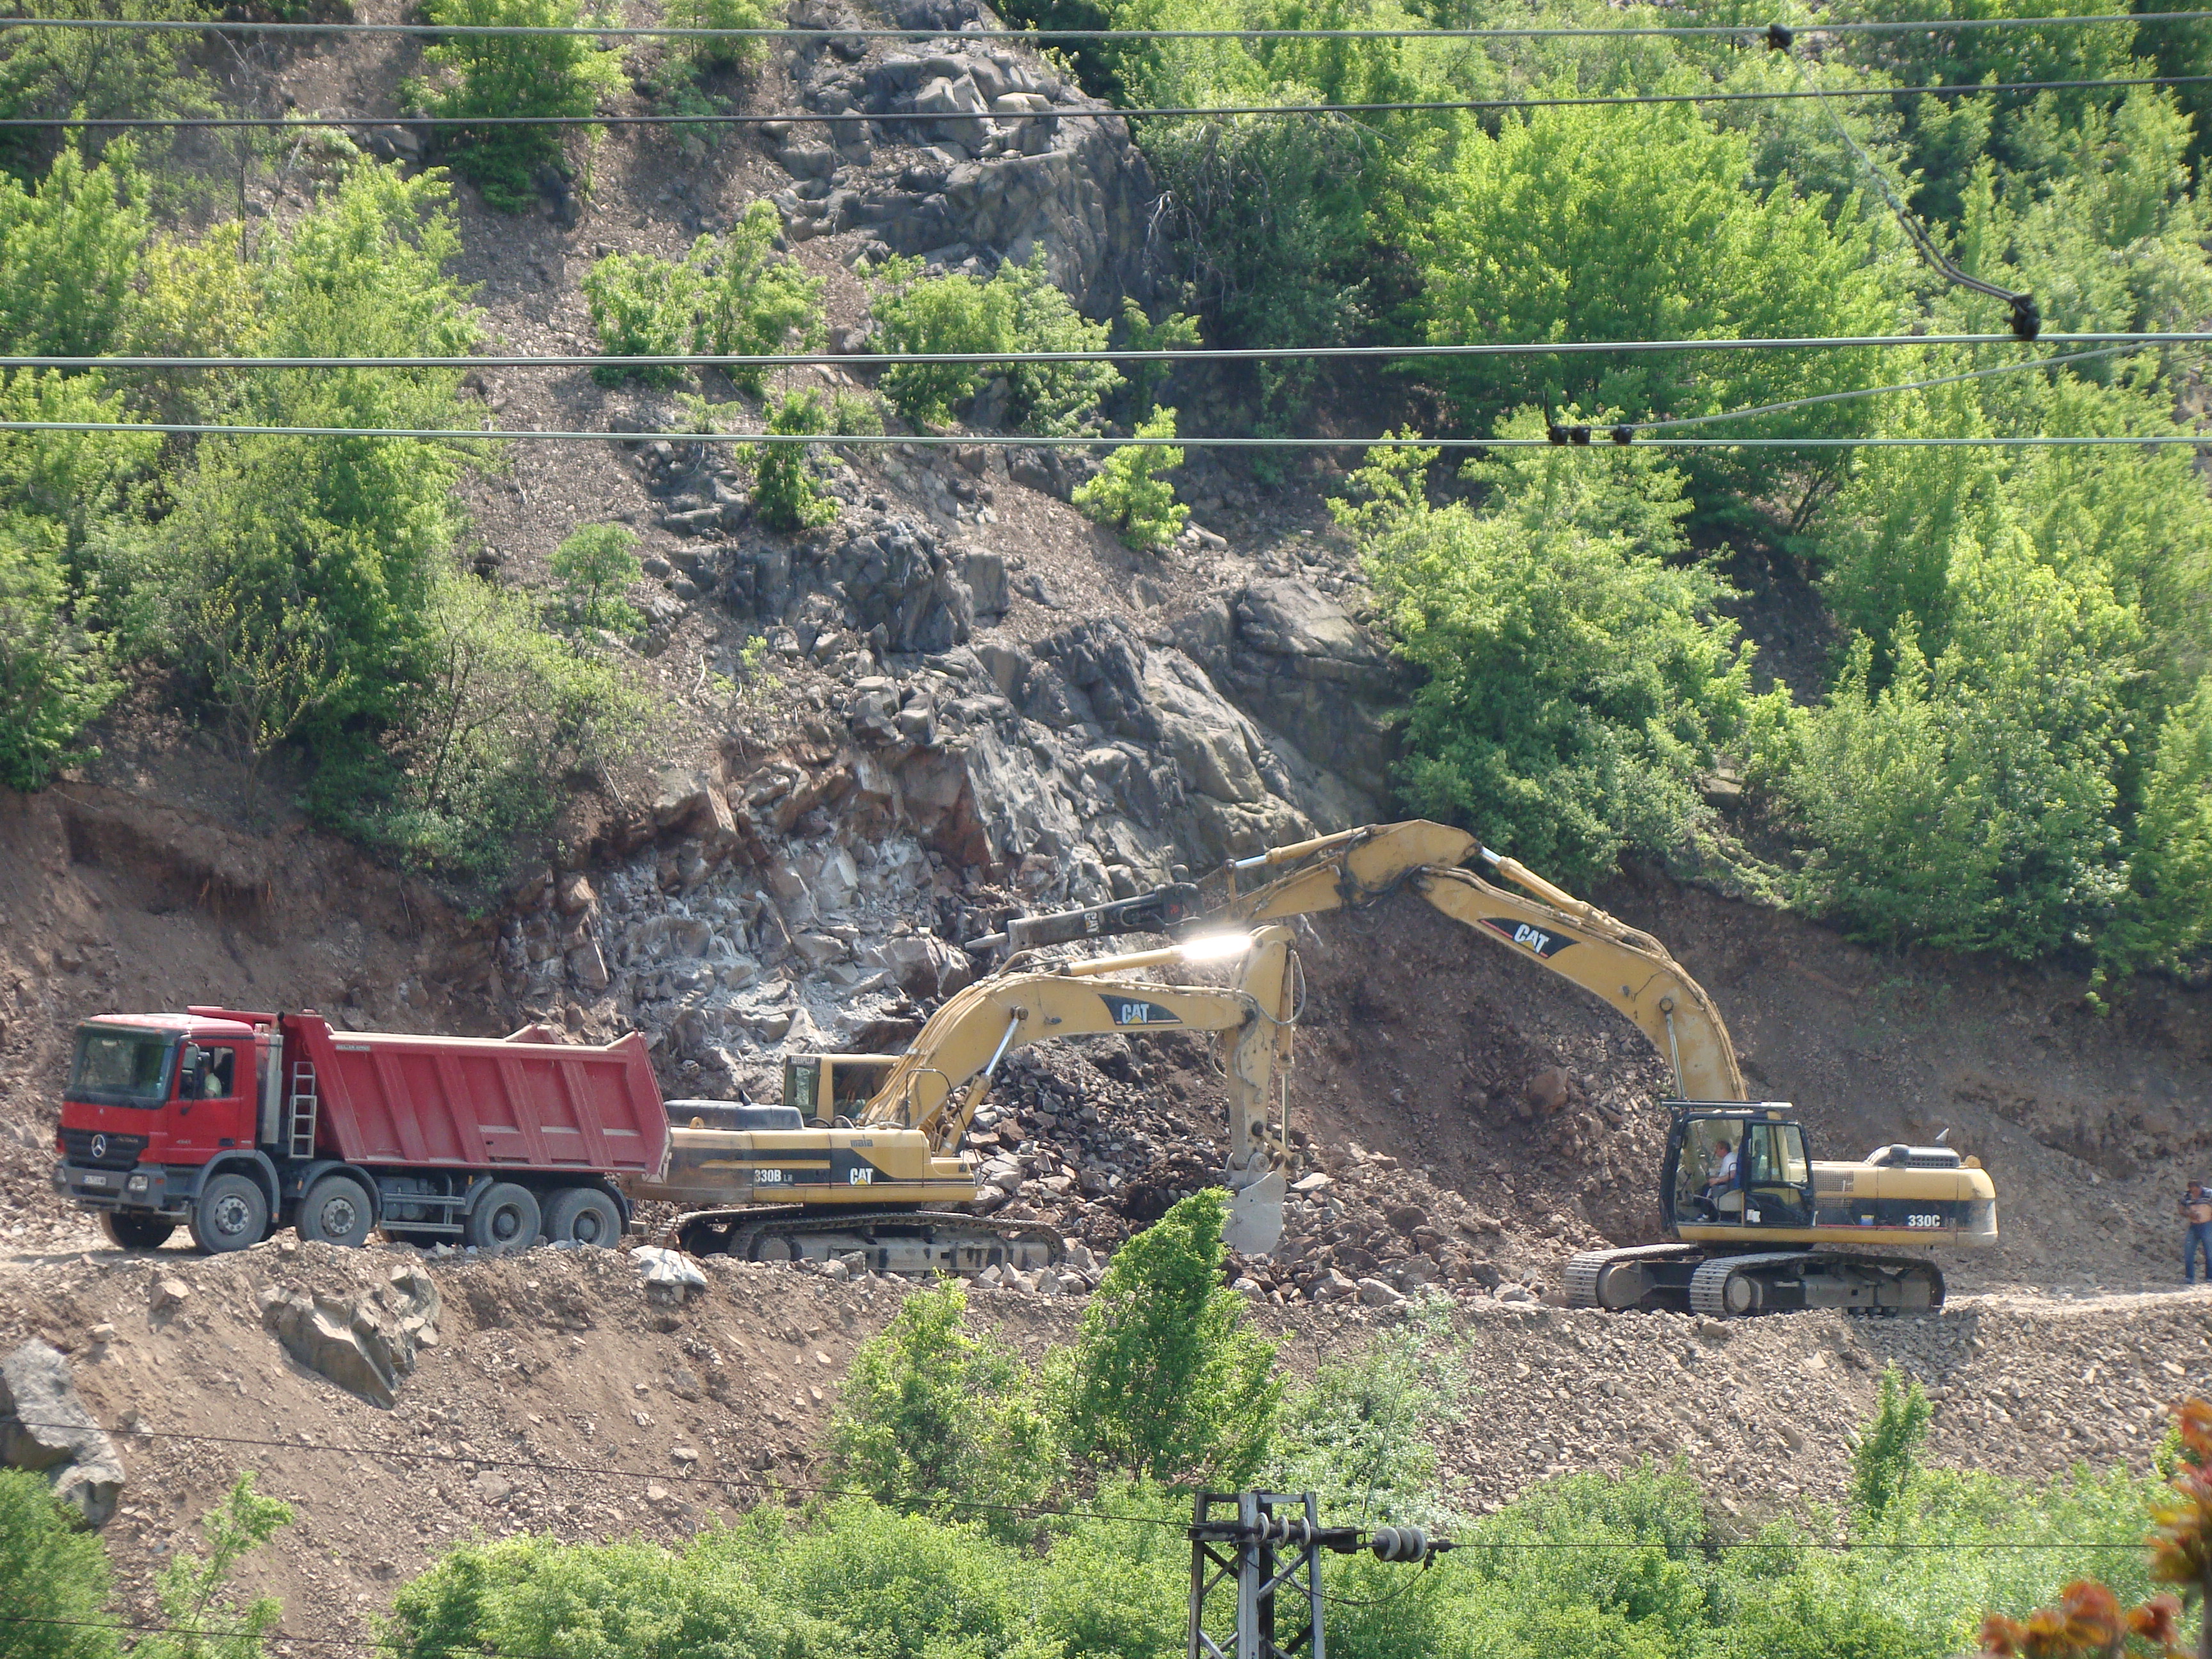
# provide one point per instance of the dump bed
(525, 1102)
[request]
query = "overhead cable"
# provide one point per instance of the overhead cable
(293, 121)
(2026, 317)
(1709, 31)
(1575, 435)
(1162, 355)
(2025, 363)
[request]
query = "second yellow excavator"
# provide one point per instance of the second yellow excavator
(1755, 1223)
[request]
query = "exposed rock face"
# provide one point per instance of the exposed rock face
(367, 1343)
(1001, 174)
(1295, 658)
(45, 1426)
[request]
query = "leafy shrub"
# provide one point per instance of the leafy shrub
(1967, 803)
(744, 52)
(1019, 310)
(195, 1595)
(1165, 1382)
(593, 564)
(1130, 497)
(1140, 334)
(563, 75)
(785, 495)
(1888, 1449)
(934, 1419)
(52, 73)
(53, 1576)
(1577, 677)
(68, 250)
(729, 295)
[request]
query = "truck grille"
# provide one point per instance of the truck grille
(114, 1152)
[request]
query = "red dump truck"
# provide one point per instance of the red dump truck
(234, 1124)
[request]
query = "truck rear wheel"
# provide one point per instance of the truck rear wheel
(583, 1215)
(335, 1211)
(232, 1214)
(135, 1232)
(504, 1218)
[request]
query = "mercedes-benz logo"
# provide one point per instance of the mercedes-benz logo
(100, 1145)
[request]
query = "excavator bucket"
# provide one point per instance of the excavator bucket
(1255, 1216)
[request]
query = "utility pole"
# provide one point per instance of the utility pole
(1269, 1545)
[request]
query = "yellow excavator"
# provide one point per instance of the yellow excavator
(865, 1154)
(1756, 1224)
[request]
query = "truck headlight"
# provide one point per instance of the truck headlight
(136, 1184)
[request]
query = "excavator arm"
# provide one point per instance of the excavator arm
(1574, 939)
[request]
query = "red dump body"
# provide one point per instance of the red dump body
(479, 1102)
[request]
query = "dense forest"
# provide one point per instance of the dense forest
(2010, 750)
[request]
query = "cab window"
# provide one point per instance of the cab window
(1775, 1156)
(1709, 1179)
(207, 1074)
(115, 1067)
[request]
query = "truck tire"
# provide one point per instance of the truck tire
(504, 1218)
(337, 1211)
(135, 1232)
(583, 1215)
(232, 1214)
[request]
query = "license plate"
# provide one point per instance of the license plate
(97, 1180)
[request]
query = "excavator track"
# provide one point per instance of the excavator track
(892, 1241)
(1620, 1279)
(1730, 1287)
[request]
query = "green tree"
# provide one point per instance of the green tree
(742, 52)
(593, 564)
(1165, 1381)
(1578, 676)
(729, 295)
(935, 1419)
(205, 1616)
(785, 495)
(68, 250)
(1019, 310)
(1888, 1449)
(1129, 496)
(562, 75)
(641, 306)
(51, 73)
(1140, 334)
(54, 1577)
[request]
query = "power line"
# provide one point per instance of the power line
(1714, 31)
(200, 123)
(1166, 355)
(1578, 435)
(1870, 391)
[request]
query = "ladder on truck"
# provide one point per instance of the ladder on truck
(300, 1108)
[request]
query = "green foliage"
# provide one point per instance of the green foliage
(1360, 1434)
(1128, 495)
(1140, 334)
(564, 75)
(593, 564)
(934, 1419)
(1166, 1382)
(1887, 1454)
(69, 249)
(503, 718)
(740, 53)
(50, 73)
(1019, 310)
(785, 495)
(729, 295)
(205, 1617)
(1578, 676)
(54, 1577)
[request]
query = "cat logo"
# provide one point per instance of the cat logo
(1533, 939)
(1129, 1010)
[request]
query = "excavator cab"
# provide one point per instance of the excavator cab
(1737, 1165)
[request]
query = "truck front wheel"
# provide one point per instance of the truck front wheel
(232, 1214)
(504, 1218)
(336, 1212)
(135, 1232)
(583, 1215)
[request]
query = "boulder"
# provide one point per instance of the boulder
(367, 1343)
(670, 1277)
(45, 1426)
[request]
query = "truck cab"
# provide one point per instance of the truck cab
(151, 1100)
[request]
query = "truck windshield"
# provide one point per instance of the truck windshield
(120, 1068)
